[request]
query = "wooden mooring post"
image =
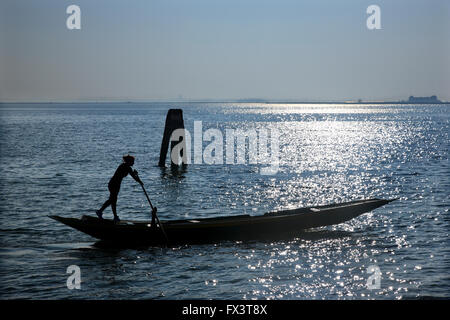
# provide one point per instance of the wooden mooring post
(174, 121)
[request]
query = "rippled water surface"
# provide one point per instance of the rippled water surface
(57, 159)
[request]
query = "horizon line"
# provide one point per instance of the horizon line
(252, 100)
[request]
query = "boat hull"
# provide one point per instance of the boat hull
(274, 225)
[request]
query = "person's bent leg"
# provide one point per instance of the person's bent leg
(105, 205)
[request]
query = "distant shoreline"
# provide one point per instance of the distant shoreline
(228, 101)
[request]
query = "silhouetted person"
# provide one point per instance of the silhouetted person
(114, 185)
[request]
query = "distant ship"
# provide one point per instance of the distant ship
(432, 99)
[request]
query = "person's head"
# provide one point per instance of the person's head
(128, 159)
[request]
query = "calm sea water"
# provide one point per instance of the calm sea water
(58, 158)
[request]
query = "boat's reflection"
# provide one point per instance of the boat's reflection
(324, 234)
(310, 235)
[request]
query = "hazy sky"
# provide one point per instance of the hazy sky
(223, 49)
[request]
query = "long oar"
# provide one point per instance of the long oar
(156, 216)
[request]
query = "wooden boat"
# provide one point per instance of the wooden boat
(285, 224)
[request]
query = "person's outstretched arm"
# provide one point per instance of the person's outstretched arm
(135, 176)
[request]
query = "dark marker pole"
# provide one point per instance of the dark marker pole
(174, 121)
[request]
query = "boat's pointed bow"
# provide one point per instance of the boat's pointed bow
(71, 222)
(57, 218)
(382, 202)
